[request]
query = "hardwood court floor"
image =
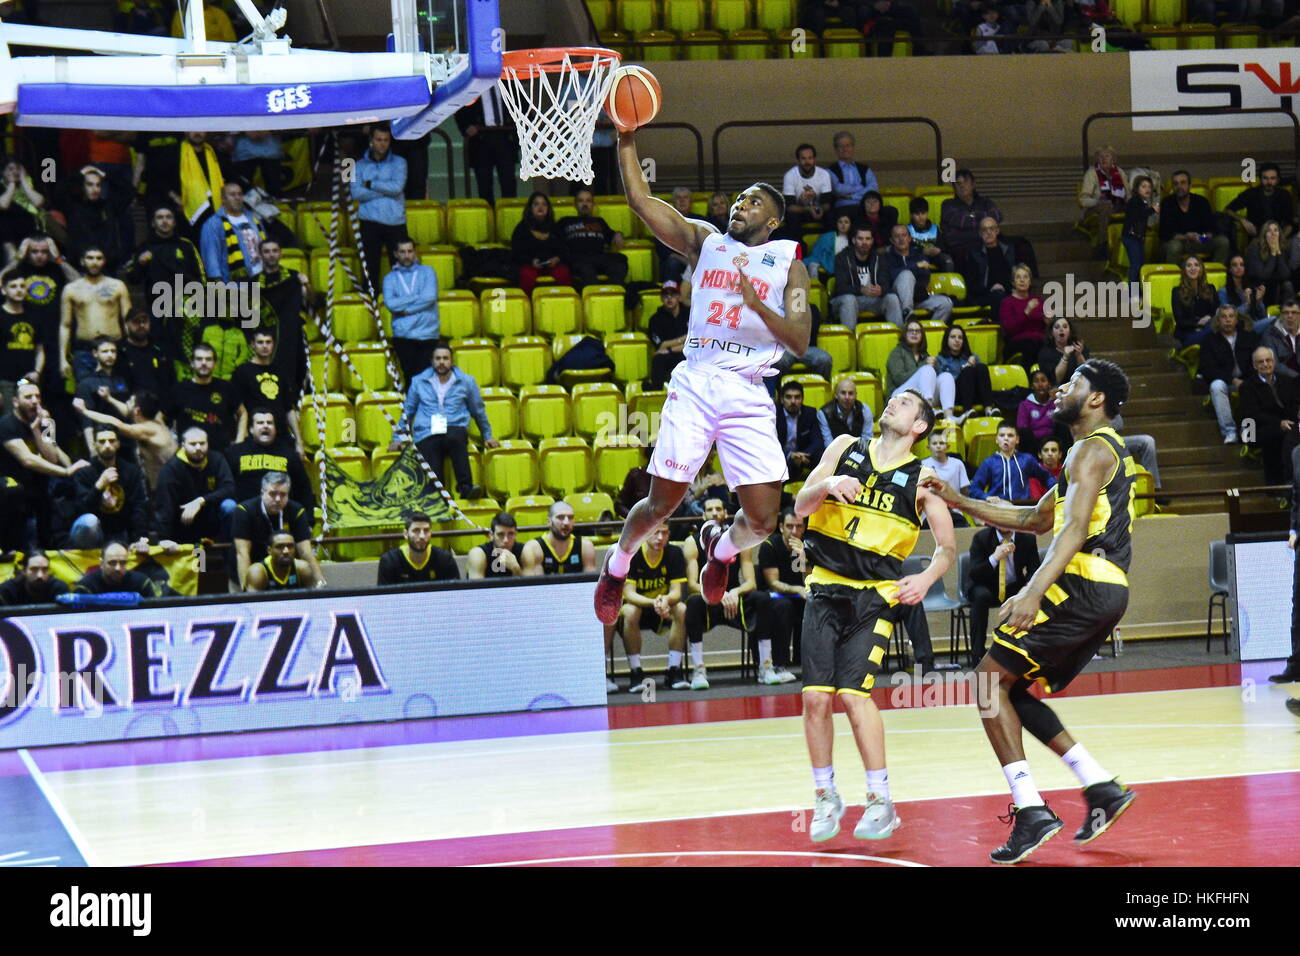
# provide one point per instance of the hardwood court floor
(1214, 755)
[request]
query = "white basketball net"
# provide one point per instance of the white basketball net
(555, 113)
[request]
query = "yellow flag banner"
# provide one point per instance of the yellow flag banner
(382, 502)
(178, 571)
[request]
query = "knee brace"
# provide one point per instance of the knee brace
(1035, 716)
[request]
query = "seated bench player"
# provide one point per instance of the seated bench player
(652, 595)
(281, 569)
(417, 559)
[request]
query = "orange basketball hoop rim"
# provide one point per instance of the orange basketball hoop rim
(528, 63)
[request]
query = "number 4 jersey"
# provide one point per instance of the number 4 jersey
(722, 331)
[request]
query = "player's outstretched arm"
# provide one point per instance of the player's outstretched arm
(823, 480)
(1036, 519)
(669, 226)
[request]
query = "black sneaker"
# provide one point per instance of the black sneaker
(1289, 676)
(1034, 826)
(1106, 801)
(634, 681)
(1293, 705)
(676, 679)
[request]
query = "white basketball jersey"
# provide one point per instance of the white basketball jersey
(722, 331)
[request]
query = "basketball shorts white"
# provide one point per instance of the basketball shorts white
(712, 405)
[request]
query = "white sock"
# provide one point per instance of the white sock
(674, 658)
(725, 549)
(1085, 767)
(619, 562)
(697, 654)
(878, 782)
(824, 778)
(764, 651)
(1021, 781)
(634, 661)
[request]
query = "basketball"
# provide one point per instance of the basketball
(634, 98)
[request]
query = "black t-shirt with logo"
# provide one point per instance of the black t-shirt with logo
(653, 580)
(44, 293)
(263, 386)
(585, 236)
(212, 407)
(18, 341)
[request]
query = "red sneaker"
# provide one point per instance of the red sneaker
(713, 579)
(608, 599)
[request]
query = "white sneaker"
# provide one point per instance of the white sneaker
(784, 676)
(699, 680)
(767, 674)
(610, 686)
(1231, 438)
(879, 820)
(827, 812)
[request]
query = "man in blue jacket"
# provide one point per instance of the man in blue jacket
(1004, 475)
(439, 403)
(230, 242)
(379, 187)
(411, 295)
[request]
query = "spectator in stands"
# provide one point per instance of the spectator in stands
(1047, 18)
(30, 455)
(1143, 449)
(286, 296)
(911, 272)
(1187, 223)
(1269, 401)
(672, 264)
(231, 239)
(815, 14)
(709, 483)
(490, 145)
(863, 283)
(821, 261)
(439, 403)
(22, 208)
(1052, 458)
(379, 187)
(265, 451)
(1193, 302)
(195, 494)
(1225, 360)
(910, 365)
(852, 179)
(988, 268)
(844, 414)
(585, 237)
(259, 150)
(1004, 475)
(206, 401)
(887, 18)
(809, 191)
(141, 17)
(719, 211)
(411, 295)
(974, 387)
(1021, 315)
(94, 220)
(200, 171)
(256, 518)
(781, 568)
(155, 443)
(1247, 299)
(32, 584)
(876, 216)
(1062, 351)
(48, 274)
(166, 259)
(537, 246)
(1001, 563)
(653, 596)
(110, 498)
(417, 559)
(1262, 203)
(112, 576)
(990, 27)
(559, 550)
(21, 351)
(1283, 338)
(500, 557)
(1142, 206)
(94, 305)
(1268, 264)
(145, 365)
(1104, 192)
(105, 391)
(961, 217)
(925, 235)
(803, 432)
(1034, 417)
(667, 335)
(258, 384)
(1209, 11)
(281, 570)
(949, 468)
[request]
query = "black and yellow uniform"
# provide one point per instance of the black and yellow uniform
(856, 552)
(750, 614)
(288, 582)
(495, 569)
(568, 563)
(651, 580)
(399, 567)
(1091, 595)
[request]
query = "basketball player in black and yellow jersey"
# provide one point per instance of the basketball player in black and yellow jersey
(653, 595)
(280, 570)
(559, 551)
(864, 502)
(1083, 579)
(417, 559)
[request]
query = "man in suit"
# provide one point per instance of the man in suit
(1000, 564)
(490, 146)
(1268, 409)
(803, 432)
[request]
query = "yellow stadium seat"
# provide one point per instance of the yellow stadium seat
(637, 15)
(1008, 376)
(980, 436)
(602, 13)
(313, 223)
(480, 512)
(371, 364)
(381, 459)
(326, 375)
(630, 352)
(502, 412)
(616, 213)
(318, 271)
(569, 378)
(899, 201)
(590, 506)
(1239, 36)
(875, 341)
(505, 312)
(426, 221)
(775, 14)
(728, 15)
(983, 341)
(683, 15)
(749, 44)
(469, 222)
(616, 40)
(790, 45)
(1130, 12)
(1198, 36)
(837, 340)
(603, 309)
(1172, 12)
(353, 322)
(543, 411)
(511, 469)
(702, 45)
(595, 408)
(816, 390)
(934, 332)
(1226, 193)
(525, 360)
(338, 410)
(644, 408)
(1160, 290)
(842, 43)
(291, 258)
(352, 461)
(870, 392)
(566, 465)
(817, 296)
(509, 213)
(640, 260)
(656, 46)
(373, 428)
(444, 261)
(530, 510)
(1160, 36)
(650, 304)
(480, 358)
(457, 314)
(557, 310)
(615, 457)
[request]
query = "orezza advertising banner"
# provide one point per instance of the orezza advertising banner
(1192, 81)
(201, 668)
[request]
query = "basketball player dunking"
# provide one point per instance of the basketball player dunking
(749, 304)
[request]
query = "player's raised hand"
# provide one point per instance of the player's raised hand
(844, 488)
(912, 589)
(940, 489)
(1020, 611)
